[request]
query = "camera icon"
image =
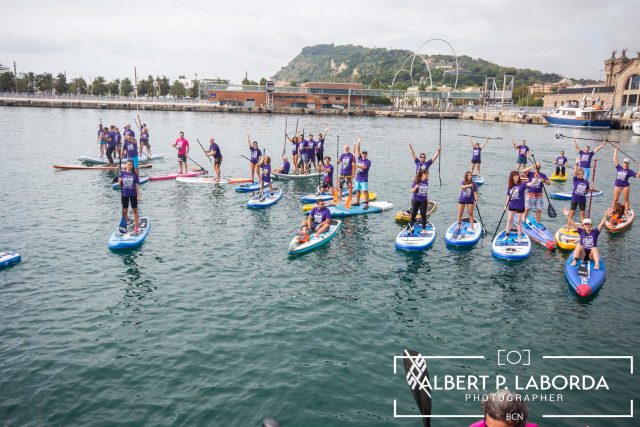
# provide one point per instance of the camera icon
(514, 357)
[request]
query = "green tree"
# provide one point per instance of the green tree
(163, 85)
(7, 82)
(248, 82)
(126, 87)
(378, 100)
(263, 82)
(31, 82)
(177, 89)
(99, 86)
(44, 82)
(60, 84)
(113, 87)
(293, 83)
(194, 91)
(78, 86)
(145, 87)
(23, 85)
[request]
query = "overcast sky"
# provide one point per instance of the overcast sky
(227, 38)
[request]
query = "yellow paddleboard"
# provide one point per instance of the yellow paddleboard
(309, 206)
(405, 216)
(567, 239)
(555, 177)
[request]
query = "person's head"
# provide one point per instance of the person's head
(321, 203)
(423, 157)
(267, 160)
(365, 154)
(468, 177)
(562, 153)
(327, 160)
(346, 148)
(129, 165)
(112, 127)
(587, 148)
(319, 136)
(106, 129)
(295, 139)
(422, 175)
(514, 178)
(181, 134)
(99, 125)
(301, 136)
(144, 125)
(587, 224)
(477, 145)
(524, 141)
(127, 126)
(310, 137)
(254, 145)
(505, 408)
(285, 158)
(579, 172)
(625, 163)
(212, 140)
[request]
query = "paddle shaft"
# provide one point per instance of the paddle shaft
(480, 137)
(484, 231)
(501, 217)
(284, 147)
(440, 146)
(625, 154)
(194, 162)
(561, 136)
(593, 184)
(554, 163)
(205, 152)
(550, 210)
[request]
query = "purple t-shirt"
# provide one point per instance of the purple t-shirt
(475, 157)
(422, 190)
(585, 159)
(422, 166)
(346, 160)
(536, 187)
(295, 144)
(516, 196)
(589, 240)
(304, 147)
(255, 154)
(266, 172)
(101, 135)
(285, 167)
(312, 146)
(129, 132)
(623, 175)
(111, 138)
(362, 175)
(522, 152)
(328, 173)
(118, 138)
(466, 195)
(144, 136)
(580, 188)
(320, 145)
(129, 182)
(562, 160)
(320, 215)
(216, 148)
(131, 148)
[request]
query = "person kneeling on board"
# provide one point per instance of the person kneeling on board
(318, 221)
(587, 248)
(130, 188)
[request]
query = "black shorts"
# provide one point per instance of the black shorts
(581, 205)
(344, 180)
(468, 203)
(125, 202)
(182, 158)
(217, 162)
(517, 210)
(145, 143)
(320, 155)
(587, 253)
(475, 162)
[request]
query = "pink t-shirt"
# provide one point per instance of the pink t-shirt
(182, 145)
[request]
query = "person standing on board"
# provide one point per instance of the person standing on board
(561, 163)
(294, 152)
(515, 203)
(130, 148)
(587, 248)
(423, 163)
(312, 153)
(144, 140)
(182, 145)
(304, 154)
(118, 142)
(286, 167)
(111, 144)
(102, 139)
(265, 174)
(523, 151)
(362, 174)
(476, 155)
(130, 193)
(585, 156)
(623, 173)
(535, 181)
(468, 197)
(578, 197)
(346, 161)
(327, 176)
(320, 147)
(256, 155)
(128, 131)
(216, 154)
(420, 199)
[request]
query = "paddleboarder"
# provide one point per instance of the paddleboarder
(585, 156)
(578, 197)
(347, 163)
(561, 163)
(476, 155)
(102, 138)
(130, 148)
(265, 174)
(111, 144)
(304, 154)
(468, 197)
(327, 176)
(128, 131)
(182, 145)
(256, 156)
(523, 151)
(294, 152)
(320, 147)
(515, 203)
(362, 174)
(587, 248)
(313, 144)
(535, 181)
(118, 142)
(621, 185)
(286, 166)
(144, 140)
(423, 163)
(130, 191)
(420, 199)
(216, 154)
(318, 221)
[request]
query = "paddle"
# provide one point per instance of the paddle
(550, 210)
(336, 188)
(484, 230)
(417, 375)
(440, 145)
(593, 184)
(479, 137)
(625, 154)
(353, 172)
(195, 163)
(205, 153)
(554, 163)
(284, 146)
(504, 210)
(561, 136)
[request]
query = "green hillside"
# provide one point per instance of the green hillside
(375, 67)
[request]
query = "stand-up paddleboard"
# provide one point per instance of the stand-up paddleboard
(267, 199)
(511, 249)
(309, 206)
(619, 222)
(296, 247)
(567, 239)
(555, 177)
(479, 180)
(94, 168)
(374, 207)
(171, 176)
(416, 240)
(211, 180)
(462, 234)
(130, 240)
(312, 198)
(143, 180)
(583, 277)
(291, 176)
(104, 161)
(405, 216)
(9, 258)
(538, 233)
(563, 195)
(250, 187)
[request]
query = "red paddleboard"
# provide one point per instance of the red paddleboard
(175, 175)
(94, 168)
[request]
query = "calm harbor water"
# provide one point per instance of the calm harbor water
(212, 323)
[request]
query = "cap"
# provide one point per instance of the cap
(626, 160)
(586, 221)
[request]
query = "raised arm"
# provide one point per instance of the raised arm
(604, 219)
(485, 143)
(437, 153)
(471, 142)
(249, 141)
(615, 157)
(413, 153)
(513, 142)
(326, 131)
(599, 147)
(575, 144)
(356, 148)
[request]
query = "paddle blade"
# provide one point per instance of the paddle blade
(335, 196)
(348, 202)
(122, 227)
(417, 374)
(551, 211)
